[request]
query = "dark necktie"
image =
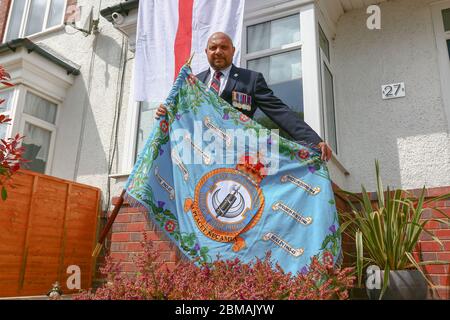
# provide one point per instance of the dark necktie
(215, 83)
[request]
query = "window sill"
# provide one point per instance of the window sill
(119, 175)
(335, 160)
(36, 36)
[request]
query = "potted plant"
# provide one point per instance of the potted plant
(386, 233)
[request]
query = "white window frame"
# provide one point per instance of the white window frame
(443, 54)
(271, 51)
(21, 118)
(307, 44)
(12, 112)
(328, 62)
(151, 109)
(130, 131)
(324, 61)
(25, 19)
(245, 57)
(329, 29)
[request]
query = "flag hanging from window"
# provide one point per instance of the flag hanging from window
(170, 30)
(217, 183)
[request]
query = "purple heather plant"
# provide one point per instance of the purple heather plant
(222, 280)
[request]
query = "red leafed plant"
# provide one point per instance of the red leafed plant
(222, 280)
(11, 151)
(4, 77)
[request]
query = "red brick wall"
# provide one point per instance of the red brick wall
(431, 250)
(4, 10)
(71, 10)
(127, 235)
(131, 222)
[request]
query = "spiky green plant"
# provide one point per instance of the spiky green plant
(387, 232)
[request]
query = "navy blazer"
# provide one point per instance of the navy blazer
(253, 83)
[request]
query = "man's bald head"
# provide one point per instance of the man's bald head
(220, 35)
(220, 51)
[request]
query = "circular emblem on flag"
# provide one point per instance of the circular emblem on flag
(228, 202)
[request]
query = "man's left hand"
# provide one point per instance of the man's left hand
(326, 151)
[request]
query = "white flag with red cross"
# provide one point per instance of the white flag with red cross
(169, 31)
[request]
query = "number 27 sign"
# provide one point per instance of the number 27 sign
(392, 91)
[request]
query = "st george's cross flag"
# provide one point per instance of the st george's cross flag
(218, 183)
(170, 31)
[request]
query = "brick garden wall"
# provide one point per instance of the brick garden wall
(431, 250)
(124, 241)
(127, 233)
(4, 9)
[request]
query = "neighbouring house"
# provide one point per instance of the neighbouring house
(371, 93)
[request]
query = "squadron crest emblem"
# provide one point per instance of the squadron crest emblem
(228, 202)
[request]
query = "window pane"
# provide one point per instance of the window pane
(329, 109)
(4, 108)
(36, 15)
(146, 122)
(7, 96)
(3, 127)
(15, 19)
(283, 73)
(37, 145)
(280, 67)
(56, 12)
(273, 34)
(40, 108)
(324, 43)
(285, 67)
(258, 37)
(446, 17)
(260, 65)
(285, 31)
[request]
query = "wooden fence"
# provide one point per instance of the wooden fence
(46, 225)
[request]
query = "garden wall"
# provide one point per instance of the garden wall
(127, 232)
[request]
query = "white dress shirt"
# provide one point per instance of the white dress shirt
(223, 77)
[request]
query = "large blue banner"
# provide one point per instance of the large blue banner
(219, 184)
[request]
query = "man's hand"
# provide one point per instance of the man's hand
(162, 110)
(326, 151)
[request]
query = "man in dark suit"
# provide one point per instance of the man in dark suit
(247, 90)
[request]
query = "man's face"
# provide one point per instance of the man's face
(220, 52)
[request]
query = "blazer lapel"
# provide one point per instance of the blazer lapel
(203, 76)
(231, 83)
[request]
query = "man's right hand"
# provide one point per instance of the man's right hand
(161, 111)
(327, 153)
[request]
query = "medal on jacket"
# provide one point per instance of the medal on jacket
(242, 101)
